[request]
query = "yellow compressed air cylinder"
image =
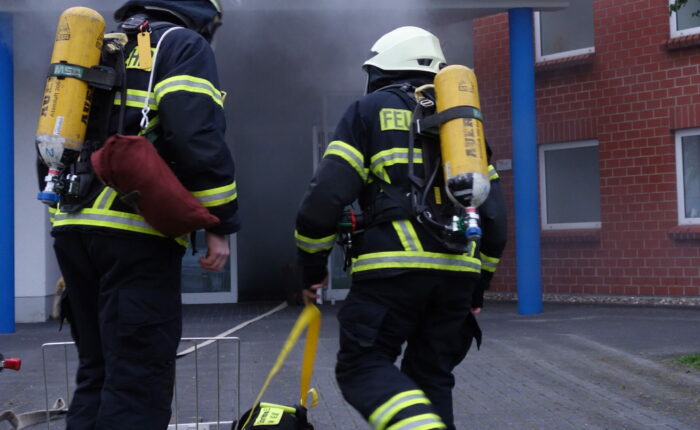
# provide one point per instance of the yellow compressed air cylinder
(462, 141)
(66, 103)
(65, 107)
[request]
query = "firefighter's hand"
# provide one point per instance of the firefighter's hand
(217, 252)
(476, 311)
(310, 295)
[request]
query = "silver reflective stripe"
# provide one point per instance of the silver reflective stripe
(415, 261)
(390, 409)
(135, 100)
(419, 424)
(359, 162)
(104, 197)
(403, 155)
(207, 87)
(493, 174)
(225, 195)
(489, 266)
(139, 223)
(315, 246)
(403, 225)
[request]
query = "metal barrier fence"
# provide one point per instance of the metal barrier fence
(193, 366)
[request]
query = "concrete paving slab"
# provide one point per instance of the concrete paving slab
(575, 366)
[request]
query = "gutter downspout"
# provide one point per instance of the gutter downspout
(7, 207)
(524, 123)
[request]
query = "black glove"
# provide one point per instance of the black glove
(482, 285)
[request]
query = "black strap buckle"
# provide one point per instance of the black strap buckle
(135, 24)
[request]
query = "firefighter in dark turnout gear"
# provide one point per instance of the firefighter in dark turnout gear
(122, 275)
(408, 287)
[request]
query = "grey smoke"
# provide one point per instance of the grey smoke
(287, 69)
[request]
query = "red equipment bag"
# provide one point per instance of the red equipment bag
(132, 166)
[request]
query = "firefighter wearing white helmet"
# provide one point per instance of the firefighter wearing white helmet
(411, 284)
(122, 275)
(407, 48)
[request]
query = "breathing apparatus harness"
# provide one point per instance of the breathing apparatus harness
(455, 227)
(77, 184)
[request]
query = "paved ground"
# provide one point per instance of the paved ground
(572, 367)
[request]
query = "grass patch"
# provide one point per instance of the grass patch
(692, 360)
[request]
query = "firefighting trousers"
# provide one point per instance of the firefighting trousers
(431, 315)
(124, 309)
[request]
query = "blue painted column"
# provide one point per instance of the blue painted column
(7, 206)
(527, 223)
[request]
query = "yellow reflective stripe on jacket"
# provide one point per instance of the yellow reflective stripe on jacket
(395, 119)
(105, 199)
(109, 219)
(489, 264)
(388, 410)
(493, 174)
(217, 196)
(420, 422)
(407, 235)
(187, 83)
(416, 260)
(383, 159)
(312, 245)
(136, 98)
(350, 154)
(152, 124)
(52, 213)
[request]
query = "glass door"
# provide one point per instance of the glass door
(201, 286)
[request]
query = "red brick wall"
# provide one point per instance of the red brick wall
(630, 95)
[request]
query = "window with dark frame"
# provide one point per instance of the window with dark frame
(565, 33)
(570, 185)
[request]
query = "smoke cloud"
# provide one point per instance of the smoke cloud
(289, 67)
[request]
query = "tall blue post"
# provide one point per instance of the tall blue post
(7, 206)
(527, 225)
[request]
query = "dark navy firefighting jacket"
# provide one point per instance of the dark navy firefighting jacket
(186, 125)
(370, 142)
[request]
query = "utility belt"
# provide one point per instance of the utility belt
(384, 210)
(445, 223)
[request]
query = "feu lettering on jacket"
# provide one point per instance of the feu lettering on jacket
(371, 143)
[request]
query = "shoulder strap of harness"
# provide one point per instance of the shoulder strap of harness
(81, 184)
(407, 202)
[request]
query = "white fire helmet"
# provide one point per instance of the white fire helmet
(407, 48)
